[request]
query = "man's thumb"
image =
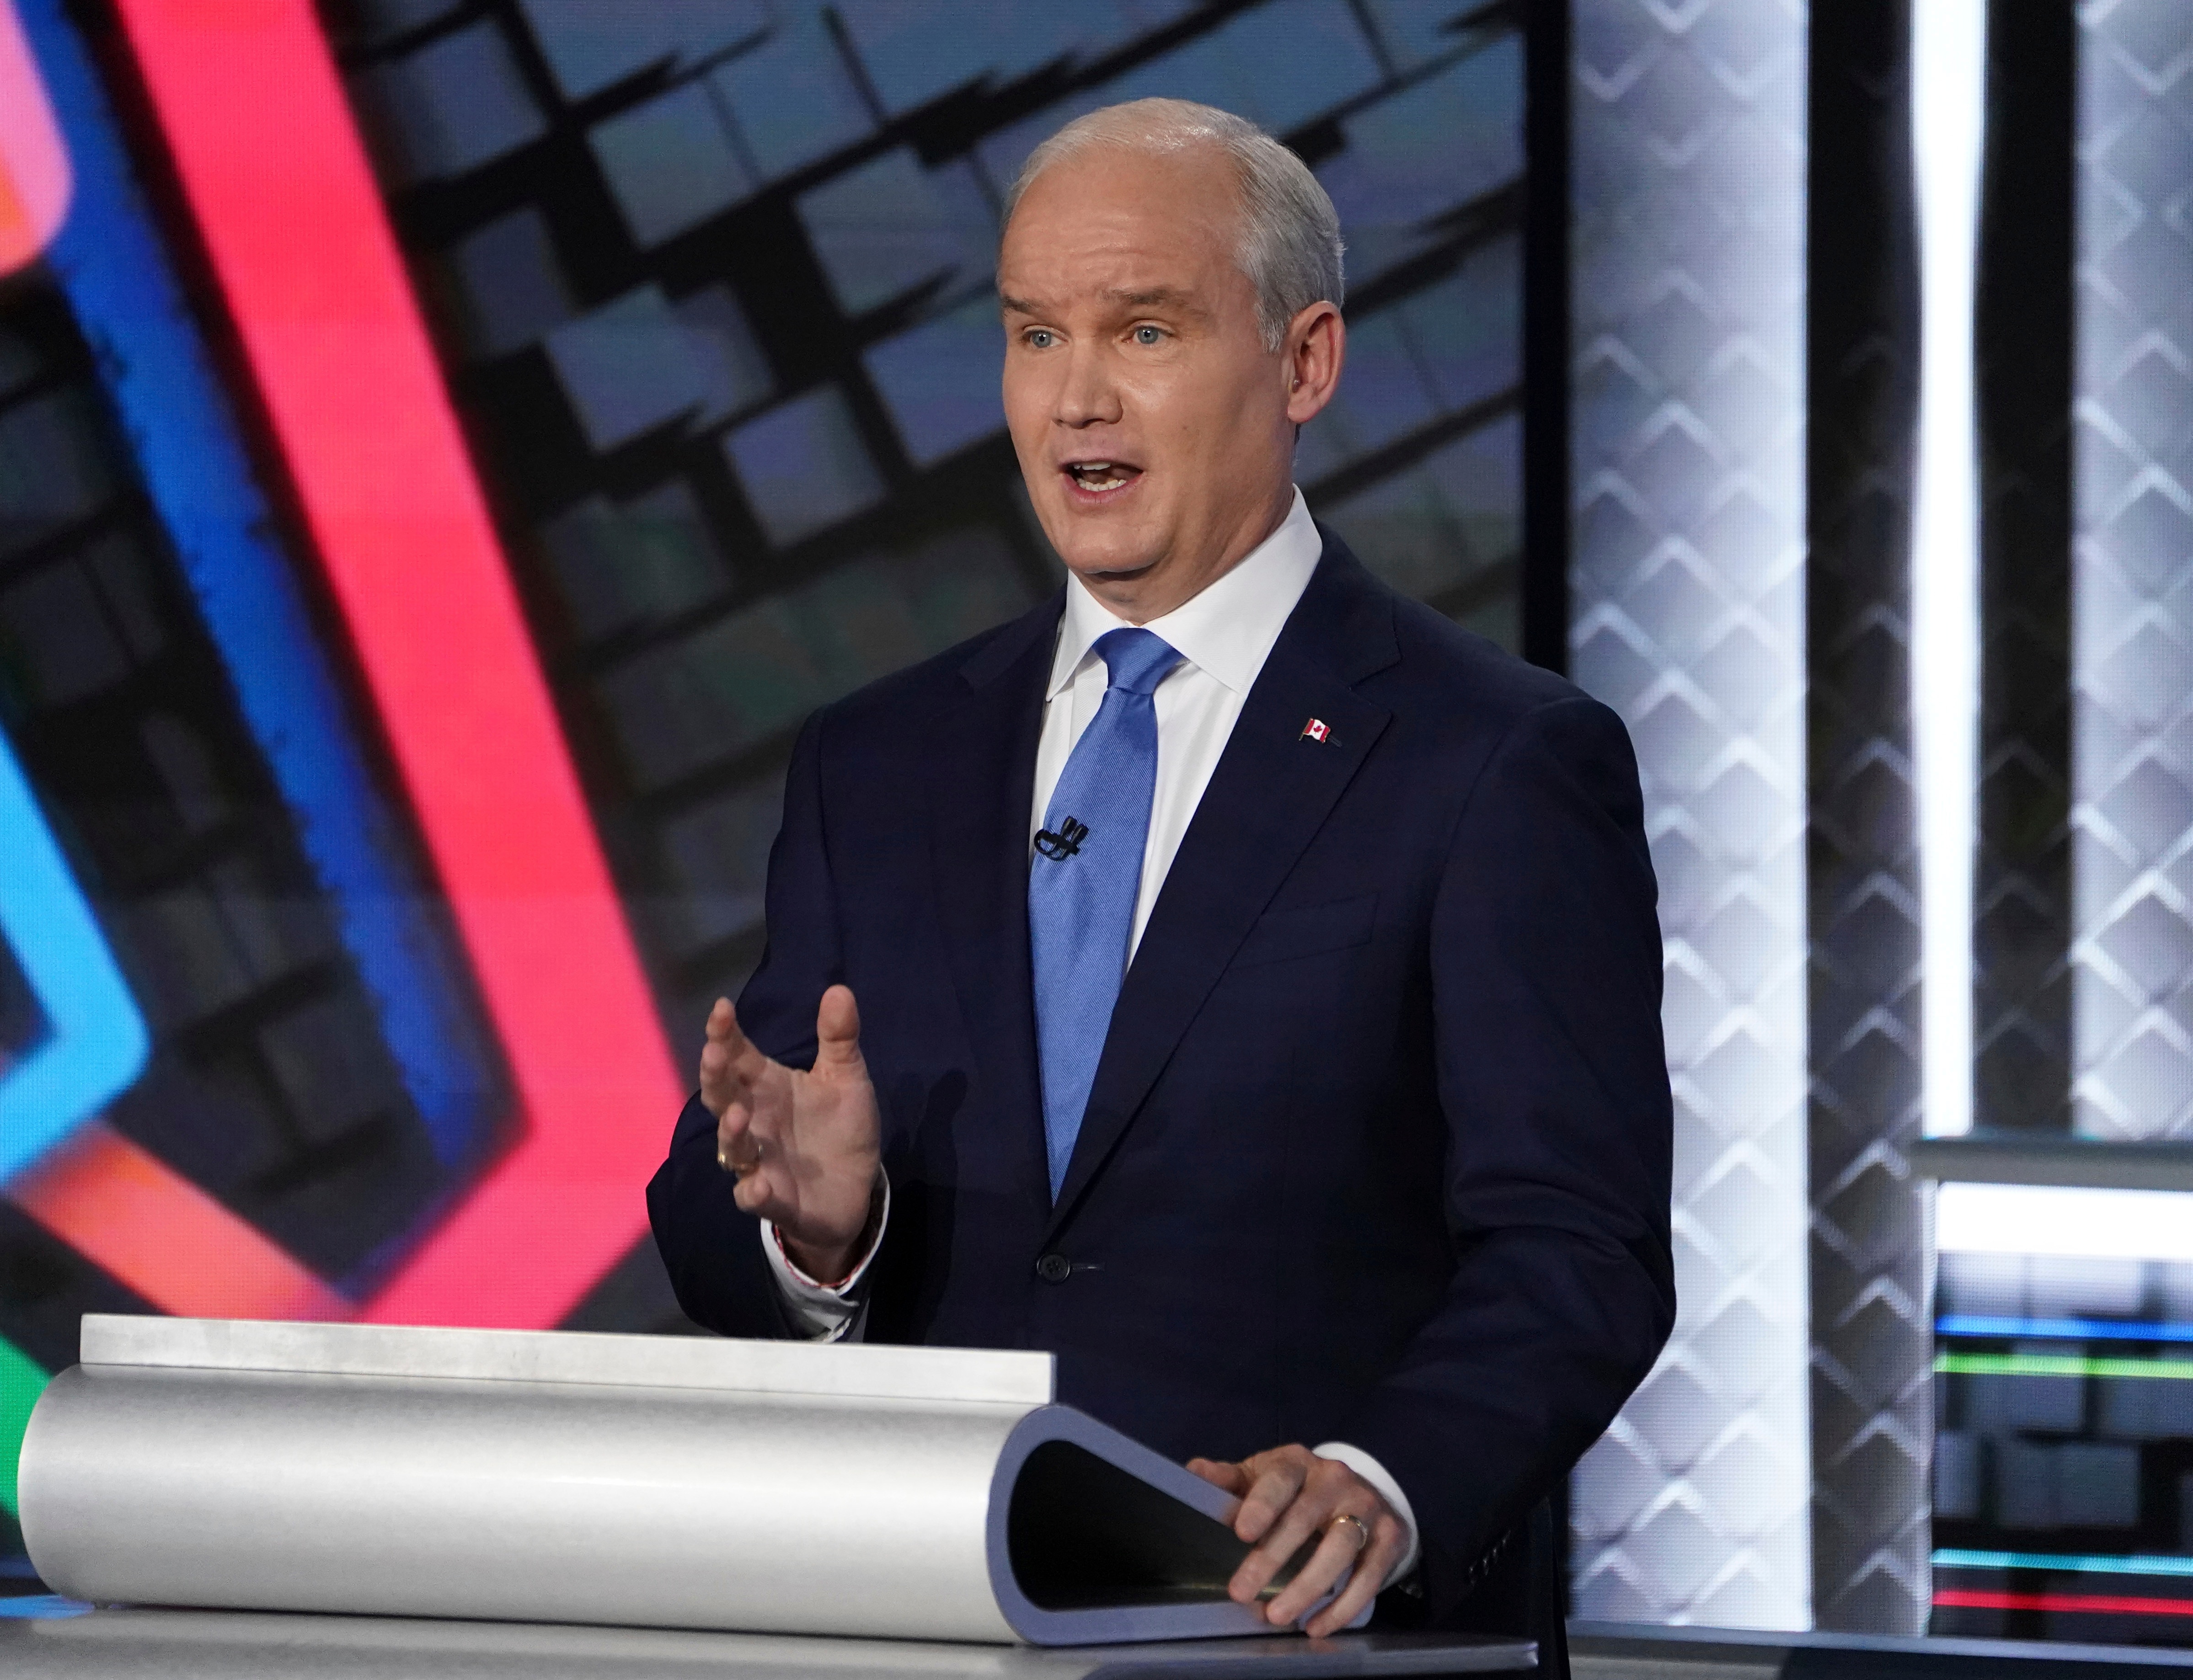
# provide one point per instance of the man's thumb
(837, 1028)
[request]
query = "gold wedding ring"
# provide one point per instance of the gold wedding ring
(751, 1157)
(1362, 1532)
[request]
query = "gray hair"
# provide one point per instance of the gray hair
(1289, 246)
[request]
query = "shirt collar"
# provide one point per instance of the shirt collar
(1228, 629)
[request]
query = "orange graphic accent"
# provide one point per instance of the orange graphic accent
(34, 168)
(156, 1232)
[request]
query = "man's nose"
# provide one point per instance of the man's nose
(1087, 395)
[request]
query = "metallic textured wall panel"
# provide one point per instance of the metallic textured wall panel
(2132, 756)
(1688, 616)
(1872, 1344)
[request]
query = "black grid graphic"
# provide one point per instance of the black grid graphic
(717, 307)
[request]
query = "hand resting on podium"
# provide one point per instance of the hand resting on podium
(1288, 1497)
(805, 1145)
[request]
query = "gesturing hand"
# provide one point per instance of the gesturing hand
(1289, 1496)
(804, 1144)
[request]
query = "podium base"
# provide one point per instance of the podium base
(252, 1645)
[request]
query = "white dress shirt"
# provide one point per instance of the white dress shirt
(1223, 635)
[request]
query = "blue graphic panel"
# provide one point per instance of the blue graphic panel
(95, 1044)
(183, 433)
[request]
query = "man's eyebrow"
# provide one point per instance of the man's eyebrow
(1156, 297)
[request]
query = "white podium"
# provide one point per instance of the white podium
(636, 1482)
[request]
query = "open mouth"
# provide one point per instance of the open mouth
(1097, 478)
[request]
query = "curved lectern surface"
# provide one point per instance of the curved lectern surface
(635, 1481)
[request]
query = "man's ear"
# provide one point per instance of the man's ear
(1316, 346)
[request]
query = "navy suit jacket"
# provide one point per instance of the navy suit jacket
(1378, 1148)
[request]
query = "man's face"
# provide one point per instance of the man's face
(1151, 423)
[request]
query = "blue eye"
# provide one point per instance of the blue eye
(1040, 339)
(1147, 335)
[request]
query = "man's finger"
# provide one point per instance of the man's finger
(1219, 1474)
(1279, 1514)
(1341, 1549)
(1272, 1490)
(756, 1194)
(723, 1086)
(718, 1089)
(739, 1146)
(1336, 1552)
(742, 1152)
(1369, 1580)
(1297, 1528)
(727, 1045)
(745, 1059)
(716, 1061)
(838, 1031)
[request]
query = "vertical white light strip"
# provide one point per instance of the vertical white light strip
(1948, 85)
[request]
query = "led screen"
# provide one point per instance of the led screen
(429, 506)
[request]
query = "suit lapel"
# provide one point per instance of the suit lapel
(1271, 792)
(980, 785)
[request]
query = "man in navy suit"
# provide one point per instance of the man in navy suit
(1258, 978)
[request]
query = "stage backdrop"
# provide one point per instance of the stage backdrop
(446, 447)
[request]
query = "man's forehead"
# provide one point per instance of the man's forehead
(1113, 199)
(1119, 229)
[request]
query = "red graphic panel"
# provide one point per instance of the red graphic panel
(249, 103)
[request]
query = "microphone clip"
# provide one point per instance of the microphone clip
(1065, 842)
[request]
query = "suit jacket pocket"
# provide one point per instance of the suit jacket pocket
(1281, 935)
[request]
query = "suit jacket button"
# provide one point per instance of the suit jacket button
(1053, 1268)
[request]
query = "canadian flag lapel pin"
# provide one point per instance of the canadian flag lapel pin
(1316, 730)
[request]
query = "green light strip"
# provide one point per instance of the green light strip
(22, 1381)
(2056, 1365)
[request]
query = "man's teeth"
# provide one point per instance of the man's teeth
(1097, 475)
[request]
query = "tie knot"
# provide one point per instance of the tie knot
(1136, 659)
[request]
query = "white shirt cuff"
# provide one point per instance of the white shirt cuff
(826, 1311)
(1388, 1490)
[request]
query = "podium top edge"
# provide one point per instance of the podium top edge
(852, 1371)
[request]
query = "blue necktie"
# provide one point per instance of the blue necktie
(1083, 879)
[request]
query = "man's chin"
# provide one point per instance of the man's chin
(1100, 566)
